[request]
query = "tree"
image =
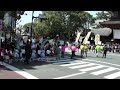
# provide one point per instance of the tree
(2, 13)
(16, 14)
(104, 15)
(64, 23)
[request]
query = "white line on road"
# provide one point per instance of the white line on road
(102, 62)
(79, 66)
(92, 68)
(114, 54)
(23, 73)
(103, 71)
(113, 76)
(69, 75)
(74, 63)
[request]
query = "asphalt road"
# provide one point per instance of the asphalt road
(91, 67)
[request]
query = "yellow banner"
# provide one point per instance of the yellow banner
(97, 39)
(78, 36)
(87, 37)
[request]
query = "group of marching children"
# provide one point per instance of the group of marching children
(6, 54)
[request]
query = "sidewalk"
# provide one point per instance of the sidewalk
(6, 73)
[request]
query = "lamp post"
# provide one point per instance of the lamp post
(39, 17)
(32, 23)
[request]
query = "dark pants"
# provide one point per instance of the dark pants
(1, 59)
(82, 52)
(104, 53)
(73, 54)
(86, 53)
(27, 58)
(62, 54)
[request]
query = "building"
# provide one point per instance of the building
(114, 24)
(104, 32)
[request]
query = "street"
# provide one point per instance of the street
(91, 67)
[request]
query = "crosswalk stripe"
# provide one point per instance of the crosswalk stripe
(113, 76)
(92, 68)
(79, 66)
(62, 60)
(103, 71)
(74, 63)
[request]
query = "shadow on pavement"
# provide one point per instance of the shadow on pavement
(31, 65)
(4, 68)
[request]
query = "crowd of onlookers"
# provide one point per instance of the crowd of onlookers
(33, 50)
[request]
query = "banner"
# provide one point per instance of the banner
(97, 39)
(87, 37)
(78, 36)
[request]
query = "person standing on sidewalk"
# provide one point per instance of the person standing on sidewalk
(1, 56)
(57, 52)
(28, 52)
(105, 49)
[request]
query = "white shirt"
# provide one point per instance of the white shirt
(48, 51)
(33, 46)
(39, 52)
(23, 51)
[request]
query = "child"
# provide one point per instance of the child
(48, 52)
(42, 56)
(10, 53)
(39, 53)
(33, 56)
(22, 55)
(16, 54)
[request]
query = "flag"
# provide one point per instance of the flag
(86, 38)
(78, 36)
(97, 39)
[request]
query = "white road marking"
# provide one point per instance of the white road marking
(102, 62)
(114, 54)
(74, 64)
(23, 73)
(113, 76)
(92, 68)
(103, 71)
(62, 60)
(69, 75)
(79, 66)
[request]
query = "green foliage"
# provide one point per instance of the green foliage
(2, 13)
(64, 23)
(27, 25)
(104, 15)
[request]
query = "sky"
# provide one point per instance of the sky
(27, 17)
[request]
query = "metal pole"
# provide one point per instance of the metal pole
(32, 23)
(11, 31)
